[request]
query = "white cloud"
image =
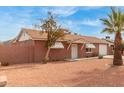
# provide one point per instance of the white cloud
(62, 11)
(86, 22)
(91, 22)
(77, 25)
(91, 7)
(67, 10)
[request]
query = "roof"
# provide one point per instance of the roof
(111, 42)
(94, 39)
(42, 35)
(9, 41)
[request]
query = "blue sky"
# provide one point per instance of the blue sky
(82, 20)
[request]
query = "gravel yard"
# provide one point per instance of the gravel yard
(92, 72)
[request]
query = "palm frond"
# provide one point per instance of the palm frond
(106, 22)
(114, 13)
(107, 30)
(114, 22)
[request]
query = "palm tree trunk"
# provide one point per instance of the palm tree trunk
(117, 51)
(47, 54)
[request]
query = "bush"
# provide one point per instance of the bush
(4, 63)
(44, 61)
(100, 57)
(3, 83)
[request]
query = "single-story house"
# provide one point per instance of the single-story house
(110, 44)
(29, 46)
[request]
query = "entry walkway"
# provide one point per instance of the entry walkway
(86, 58)
(78, 59)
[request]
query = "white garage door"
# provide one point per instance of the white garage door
(102, 49)
(74, 51)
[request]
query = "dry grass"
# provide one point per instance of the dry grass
(93, 72)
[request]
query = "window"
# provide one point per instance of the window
(58, 45)
(88, 49)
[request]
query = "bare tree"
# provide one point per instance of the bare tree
(53, 33)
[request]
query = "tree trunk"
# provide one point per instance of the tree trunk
(47, 55)
(117, 51)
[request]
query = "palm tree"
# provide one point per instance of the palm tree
(53, 33)
(114, 23)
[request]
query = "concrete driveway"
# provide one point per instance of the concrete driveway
(111, 56)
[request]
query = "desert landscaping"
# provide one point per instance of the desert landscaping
(48, 55)
(89, 72)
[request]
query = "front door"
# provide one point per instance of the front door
(74, 51)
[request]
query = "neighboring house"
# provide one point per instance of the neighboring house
(29, 46)
(9, 42)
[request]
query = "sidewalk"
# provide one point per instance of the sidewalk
(78, 59)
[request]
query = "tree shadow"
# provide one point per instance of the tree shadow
(110, 77)
(20, 66)
(60, 62)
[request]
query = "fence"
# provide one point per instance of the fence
(17, 53)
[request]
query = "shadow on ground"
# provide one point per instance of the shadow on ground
(20, 66)
(110, 77)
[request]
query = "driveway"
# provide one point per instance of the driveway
(111, 56)
(93, 72)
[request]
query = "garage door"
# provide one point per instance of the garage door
(102, 49)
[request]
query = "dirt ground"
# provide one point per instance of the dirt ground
(92, 72)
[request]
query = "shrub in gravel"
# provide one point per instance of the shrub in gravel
(44, 61)
(3, 81)
(4, 63)
(100, 57)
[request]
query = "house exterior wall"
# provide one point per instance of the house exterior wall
(61, 54)
(82, 51)
(55, 54)
(34, 51)
(110, 50)
(95, 51)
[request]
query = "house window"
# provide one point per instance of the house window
(58, 45)
(88, 50)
